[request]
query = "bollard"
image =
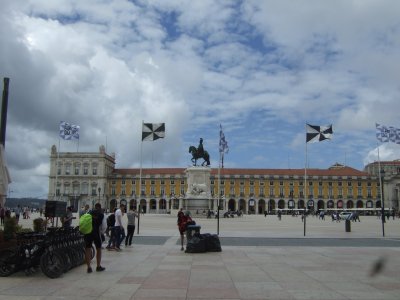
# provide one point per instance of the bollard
(348, 225)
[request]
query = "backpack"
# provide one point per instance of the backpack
(85, 223)
(110, 220)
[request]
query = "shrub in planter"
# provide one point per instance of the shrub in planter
(10, 228)
(38, 225)
(23, 230)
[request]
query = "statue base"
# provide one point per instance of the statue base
(198, 196)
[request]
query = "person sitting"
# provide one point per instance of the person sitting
(183, 220)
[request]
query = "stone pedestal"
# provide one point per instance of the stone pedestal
(198, 195)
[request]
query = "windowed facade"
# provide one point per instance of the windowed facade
(265, 189)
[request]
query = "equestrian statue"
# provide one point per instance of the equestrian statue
(199, 153)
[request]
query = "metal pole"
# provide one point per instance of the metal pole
(305, 190)
(138, 220)
(218, 190)
(99, 189)
(4, 107)
(381, 177)
(383, 206)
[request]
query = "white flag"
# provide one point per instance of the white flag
(153, 131)
(386, 134)
(223, 144)
(69, 131)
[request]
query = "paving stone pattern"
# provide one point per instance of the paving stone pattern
(261, 258)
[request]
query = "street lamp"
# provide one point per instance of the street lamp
(383, 202)
(99, 190)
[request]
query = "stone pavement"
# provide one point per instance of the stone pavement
(155, 268)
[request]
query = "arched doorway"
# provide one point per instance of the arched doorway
(360, 204)
(242, 205)
(291, 204)
(281, 204)
(339, 204)
(143, 206)
(113, 204)
(123, 201)
(320, 205)
(251, 208)
(350, 204)
(300, 204)
(231, 204)
(153, 205)
(261, 206)
(162, 206)
(330, 204)
(271, 205)
(175, 203)
(310, 204)
(132, 203)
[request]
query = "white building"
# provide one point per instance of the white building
(390, 176)
(80, 178)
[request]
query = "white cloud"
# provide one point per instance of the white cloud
(262, 68)
(387, 152)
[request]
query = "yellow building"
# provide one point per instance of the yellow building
(85, 178)
(249, 190)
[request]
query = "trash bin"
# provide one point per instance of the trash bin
(348, 225)
(190, 229)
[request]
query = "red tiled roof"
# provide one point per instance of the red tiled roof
(392, 162)
(345, 171)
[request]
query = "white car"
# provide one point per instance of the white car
(344, 215)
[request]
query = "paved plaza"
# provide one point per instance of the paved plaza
(261, 258)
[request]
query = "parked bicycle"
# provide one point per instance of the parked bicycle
(55, 252)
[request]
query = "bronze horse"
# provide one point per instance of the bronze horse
(196, 156)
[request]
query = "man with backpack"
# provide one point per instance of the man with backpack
(94, 237)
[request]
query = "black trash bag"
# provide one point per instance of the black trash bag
(212, 242)
(196, 244)
(191, 223)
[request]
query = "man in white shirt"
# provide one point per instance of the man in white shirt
(118, 227)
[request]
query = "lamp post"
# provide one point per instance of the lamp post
(382, 202)
(99, 190)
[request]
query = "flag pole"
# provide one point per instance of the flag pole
(140, 178)
(382, 198)
(58, 158)
(305, 188)
(219, 193)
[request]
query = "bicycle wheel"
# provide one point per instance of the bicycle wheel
(7, 263)
(51, 264)
(92, 252)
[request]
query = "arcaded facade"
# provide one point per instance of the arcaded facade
(85, 178)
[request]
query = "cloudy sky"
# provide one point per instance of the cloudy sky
(262, 69)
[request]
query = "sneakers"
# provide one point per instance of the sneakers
(100, 269)
(118, 249)
(89, 270)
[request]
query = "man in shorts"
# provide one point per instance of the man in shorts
(94, 237)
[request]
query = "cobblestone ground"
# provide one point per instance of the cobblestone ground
(155, 268)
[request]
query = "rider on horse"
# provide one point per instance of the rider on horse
(200, 149)
(199, 153)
